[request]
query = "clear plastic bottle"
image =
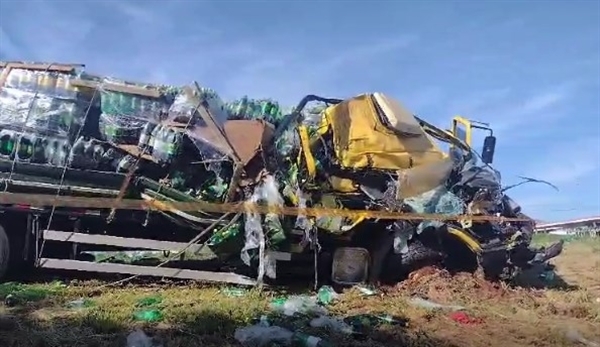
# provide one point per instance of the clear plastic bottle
(39, 149)
(305, 340)
(146, 137)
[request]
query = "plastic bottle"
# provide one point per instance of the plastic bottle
(297, 305)
(136, 106)
(98, 153)
(138, 339)
(242, 107)
(39, 149)
(7, 142)
(60, 87)
(146, 137)
(51, 149)
(89, 159)
(172, 143)
(28, 80)
(266, 108)
(125, 163)
(75, 159)
(62, 153)
(13, 80)
(25, 148)
(157, 141)
(305, 340)
(46, 83)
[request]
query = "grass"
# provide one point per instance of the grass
(197, 315)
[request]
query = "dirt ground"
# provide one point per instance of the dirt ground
(194, 315)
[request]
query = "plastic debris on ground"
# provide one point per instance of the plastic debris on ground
(149, 310)
(261, 336)
(234, 292)
(366, 291)
(326, 295)
(138, 338)
(298, 304)
(576, 337)
(364, 323)
(464, 318)
(18, 293)
(331, 323)
(430, 305)
(80, 303)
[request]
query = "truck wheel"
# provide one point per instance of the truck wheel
(4, 253)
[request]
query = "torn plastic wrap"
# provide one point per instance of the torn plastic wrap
(288, 142)
(206, 131)
(267, 192)
(185, 106)
(312, 116)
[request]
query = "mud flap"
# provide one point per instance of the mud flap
(493, 262)
(492, 258)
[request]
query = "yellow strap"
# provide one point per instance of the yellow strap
(311, 165)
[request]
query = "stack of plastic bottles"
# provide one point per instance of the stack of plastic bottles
(39, 110)
(263, 109)
(125, 115)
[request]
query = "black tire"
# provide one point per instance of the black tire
(4, 253)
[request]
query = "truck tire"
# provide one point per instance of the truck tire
(4, 253)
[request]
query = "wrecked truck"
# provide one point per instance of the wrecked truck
(79, 154)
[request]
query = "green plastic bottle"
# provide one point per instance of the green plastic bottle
(7, 142)
(25, 151)
(148, 315)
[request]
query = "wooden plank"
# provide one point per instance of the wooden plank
(115, 87)
(77, 265)
(91, 239)
(67, 68)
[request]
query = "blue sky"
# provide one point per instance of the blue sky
(530, 68)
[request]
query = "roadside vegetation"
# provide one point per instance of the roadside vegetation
(89, 313)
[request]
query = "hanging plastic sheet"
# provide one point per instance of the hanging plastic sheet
(267, 192)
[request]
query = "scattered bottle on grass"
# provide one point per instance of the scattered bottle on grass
(305, 340)
(80, 303)
(149, 313)
(298, 305)
(138, 339)
(150, 316)
(326, 295)
(362, 323)
(149, 301)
